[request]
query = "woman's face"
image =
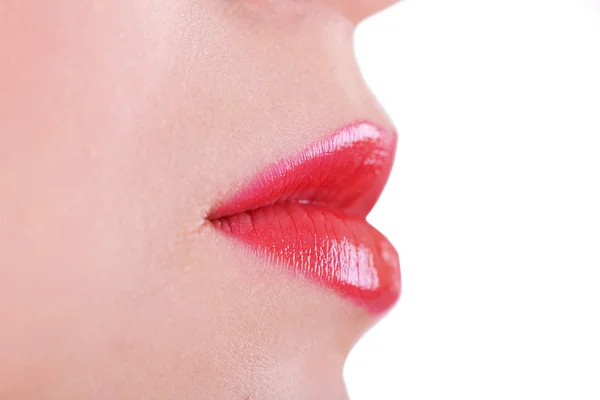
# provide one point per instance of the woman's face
(122, 124)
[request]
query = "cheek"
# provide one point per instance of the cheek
(87, 168)
(120, 123)
(90, 200)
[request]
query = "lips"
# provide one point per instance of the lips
(307, 213)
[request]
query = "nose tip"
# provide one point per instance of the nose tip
(358, 10)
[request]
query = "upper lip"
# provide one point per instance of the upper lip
(324, 175)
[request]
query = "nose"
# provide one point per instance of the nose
(358, 10)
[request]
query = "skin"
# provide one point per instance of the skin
(121, 124)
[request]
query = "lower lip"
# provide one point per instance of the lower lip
(331, 246)
(343, 253)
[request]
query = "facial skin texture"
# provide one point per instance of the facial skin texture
(121, 124)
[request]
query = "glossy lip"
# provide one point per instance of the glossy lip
(308, 213)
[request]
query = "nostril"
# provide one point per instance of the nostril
(358, 10)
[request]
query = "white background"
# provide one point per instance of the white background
(494, 202)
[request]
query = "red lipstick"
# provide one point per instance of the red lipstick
(308, 213)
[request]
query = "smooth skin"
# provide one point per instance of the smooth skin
(121, 124)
